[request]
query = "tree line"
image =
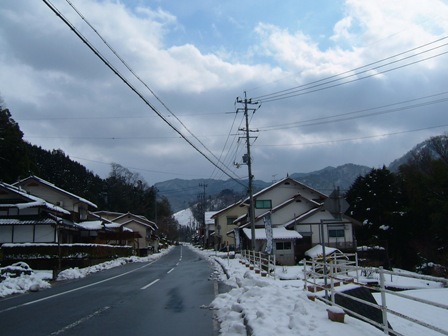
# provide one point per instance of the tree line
(122, 191)
(407, 211)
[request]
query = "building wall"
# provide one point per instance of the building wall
(221, 226)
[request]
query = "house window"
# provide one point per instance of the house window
(263, 204)
(283, 246)
(336, 233)
(230, 220)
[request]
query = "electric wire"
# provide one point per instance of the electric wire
(345, 116)
(139, 94)
(354, 139)
(143, 82)
(302, 89)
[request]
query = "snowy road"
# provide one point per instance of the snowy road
(169, 296)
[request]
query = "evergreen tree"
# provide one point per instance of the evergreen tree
(14, 161)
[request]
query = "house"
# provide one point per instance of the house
(225, 224)
(210, 229)
(298, 216)
(146, 241)
(25, 218)
(102, 231)
(78, 206)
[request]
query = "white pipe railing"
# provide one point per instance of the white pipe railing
(314, 276)
(262, 263)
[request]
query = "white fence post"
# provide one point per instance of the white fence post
(383, 301)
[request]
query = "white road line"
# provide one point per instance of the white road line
(170, 271)
(74, 290)
(150, 284)
(84, 319)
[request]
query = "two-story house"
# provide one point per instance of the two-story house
(225, 224)
(25, 218)
(298, 217)
(78, 206)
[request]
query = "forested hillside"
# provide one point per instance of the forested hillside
(121, 191)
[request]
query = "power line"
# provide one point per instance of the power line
(317, 85)
(352, 115)
(354, 139)
(140, 95)
(145, 85)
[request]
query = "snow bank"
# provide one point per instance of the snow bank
(40, 279)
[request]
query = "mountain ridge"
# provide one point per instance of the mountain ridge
(181, 193)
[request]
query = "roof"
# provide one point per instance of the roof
(226, 208)
(317, 251)
(138, 218)
(278, 234)
(138, 222)
(282, 181)
(51, 185)
(33, 201)
(16, 221)
(92, 225)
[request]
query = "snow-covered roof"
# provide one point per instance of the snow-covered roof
(91, 225)
(16, 221)
(33, 201)
(96, 225)
(51, 185)
(317, 251)
(277, 233)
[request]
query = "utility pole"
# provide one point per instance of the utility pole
(247, 159)
(203, 203)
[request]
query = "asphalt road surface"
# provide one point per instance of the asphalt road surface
(169, 296)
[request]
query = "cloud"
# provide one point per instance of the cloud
(64, 97)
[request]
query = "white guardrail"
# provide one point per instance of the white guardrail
(326, 276)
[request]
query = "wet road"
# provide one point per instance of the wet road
(167, 297)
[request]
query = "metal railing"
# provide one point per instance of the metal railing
(260, 262)
(327, 274)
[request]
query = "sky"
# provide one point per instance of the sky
(329, 83)
(278, 305)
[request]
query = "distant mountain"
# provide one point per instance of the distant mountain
(181, 193)
(428, 147)
(325, 180)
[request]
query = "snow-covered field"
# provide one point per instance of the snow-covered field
(268, 306)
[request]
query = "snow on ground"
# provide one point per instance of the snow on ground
(41, 279)
(280, 306)
(273, 306)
